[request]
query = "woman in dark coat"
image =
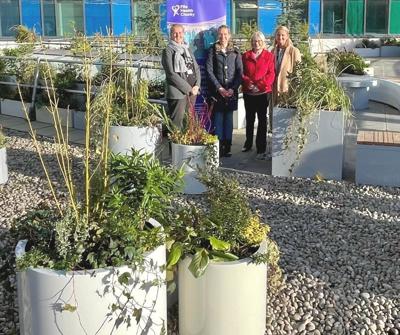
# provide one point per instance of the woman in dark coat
(224, 70)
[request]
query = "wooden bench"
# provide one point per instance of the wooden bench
(378, 158)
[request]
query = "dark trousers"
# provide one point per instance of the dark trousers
(177, 108)
(222, 120)
(256, 105)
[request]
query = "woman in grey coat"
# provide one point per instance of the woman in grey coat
(224, 70)
(182, 75)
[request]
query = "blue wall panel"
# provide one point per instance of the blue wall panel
(30, 15)
(163, 22)
(314, 17)
(229, 13)
(97, 17)
(268, 12)
(121, 16)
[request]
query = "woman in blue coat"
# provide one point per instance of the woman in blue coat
(224, 70)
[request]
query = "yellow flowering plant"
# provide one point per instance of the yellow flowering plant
(228, 230)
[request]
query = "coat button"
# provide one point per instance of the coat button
(226, 67)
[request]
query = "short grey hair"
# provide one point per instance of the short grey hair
(258, 34)
(224, 26)
(176, 25)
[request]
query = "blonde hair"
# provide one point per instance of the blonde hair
(285, 29)
(258, 34)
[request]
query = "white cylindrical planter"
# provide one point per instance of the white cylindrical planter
(122, 139)
(45, 296)
(3, 166)
(192, 158)
(228, 299)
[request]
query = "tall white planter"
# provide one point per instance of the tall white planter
(44, 296)
(323, 151)
(122, 139)
(193, 158)
(228, 299)
(3, 166)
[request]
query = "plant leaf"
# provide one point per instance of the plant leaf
(219, 245)
(174, 255)
(199, 263)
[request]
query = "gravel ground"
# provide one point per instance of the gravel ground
(339, 245)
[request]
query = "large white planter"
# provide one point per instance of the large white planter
(239, 115)
(44, 115)
(122, 139)
(390, 51)
(367, 52)
(3, 166)
(193, 158)
(387, 92)
(44, 295)
(228, 299)
(79, 120)
(323, 152)
(14, 108)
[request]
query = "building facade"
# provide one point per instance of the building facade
(336, 18)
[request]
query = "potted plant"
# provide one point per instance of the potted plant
(346, 62)
(100, 248)
(390, 47)
(308, 123)
(222, 253)
(367, 48)
(193, 148)
(18, 70)
(3, 158)
(134, 121)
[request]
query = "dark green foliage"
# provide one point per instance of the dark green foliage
(366, 43)
(346, 62)
(117, 233)
(293, 17)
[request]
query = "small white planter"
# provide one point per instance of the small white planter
(228, 299)
(14, 108)
(44, 294)
(122, 139)
(323, 151)
(44, 115)
(390, 51)
(3, 166)
(239, 115)
(367, 52)
(192, 158)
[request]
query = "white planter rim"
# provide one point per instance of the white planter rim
(192, 145)
(262, 248)
(138, 127)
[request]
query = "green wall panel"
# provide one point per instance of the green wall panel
(355, 17)
(394, 27)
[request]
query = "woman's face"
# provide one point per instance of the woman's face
(224, 36)
(281, 37)
(177, 34)
(257, 44)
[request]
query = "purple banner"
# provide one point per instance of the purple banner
(205, 12)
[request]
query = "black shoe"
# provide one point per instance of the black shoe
(246, 149)
(227, 154)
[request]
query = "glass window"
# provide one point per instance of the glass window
(394, 17)
(49, 18)
(9, 16)
(244, 11)
(69, 14)
(355, 17)
(333, 16)
(98, 17)
(377, 16)
(121, 16)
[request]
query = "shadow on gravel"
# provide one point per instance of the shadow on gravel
(342, 234)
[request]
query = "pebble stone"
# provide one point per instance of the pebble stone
(339, 246)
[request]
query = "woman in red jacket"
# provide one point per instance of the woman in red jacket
(258, 77)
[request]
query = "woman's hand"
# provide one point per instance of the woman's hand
(223, 92)
(195, 90)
